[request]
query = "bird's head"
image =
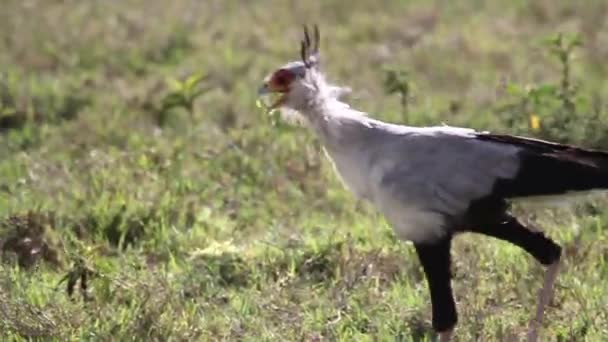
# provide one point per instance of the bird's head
(300, 84)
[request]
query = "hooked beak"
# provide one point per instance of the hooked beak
(265, 90)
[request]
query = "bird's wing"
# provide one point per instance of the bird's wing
(550, 169)
(444, 171)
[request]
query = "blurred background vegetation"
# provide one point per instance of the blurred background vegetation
(144, 196)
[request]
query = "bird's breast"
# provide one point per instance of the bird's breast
(353, 171)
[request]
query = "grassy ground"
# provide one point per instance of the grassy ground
(206, 222)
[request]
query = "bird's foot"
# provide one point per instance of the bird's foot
(544, 298)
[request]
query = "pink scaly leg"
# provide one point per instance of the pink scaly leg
(445, 336)
(544, 297)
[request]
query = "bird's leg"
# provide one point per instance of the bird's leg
(541, 247)
(435, 260)
(446, 336)
(544, 298)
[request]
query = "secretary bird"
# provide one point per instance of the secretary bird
(432, 183)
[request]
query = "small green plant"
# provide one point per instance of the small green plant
(529, 99)
(553, 110)
(562, 46)
(397, 81)
(274, 117)
(79, 272)
(183, 94)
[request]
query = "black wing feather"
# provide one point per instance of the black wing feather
(548, 168)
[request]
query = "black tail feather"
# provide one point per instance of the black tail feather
(549, 169)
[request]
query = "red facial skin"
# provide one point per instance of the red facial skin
(279, 81)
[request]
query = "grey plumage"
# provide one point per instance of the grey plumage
(421, 179)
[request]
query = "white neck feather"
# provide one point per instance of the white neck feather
(319, 105)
